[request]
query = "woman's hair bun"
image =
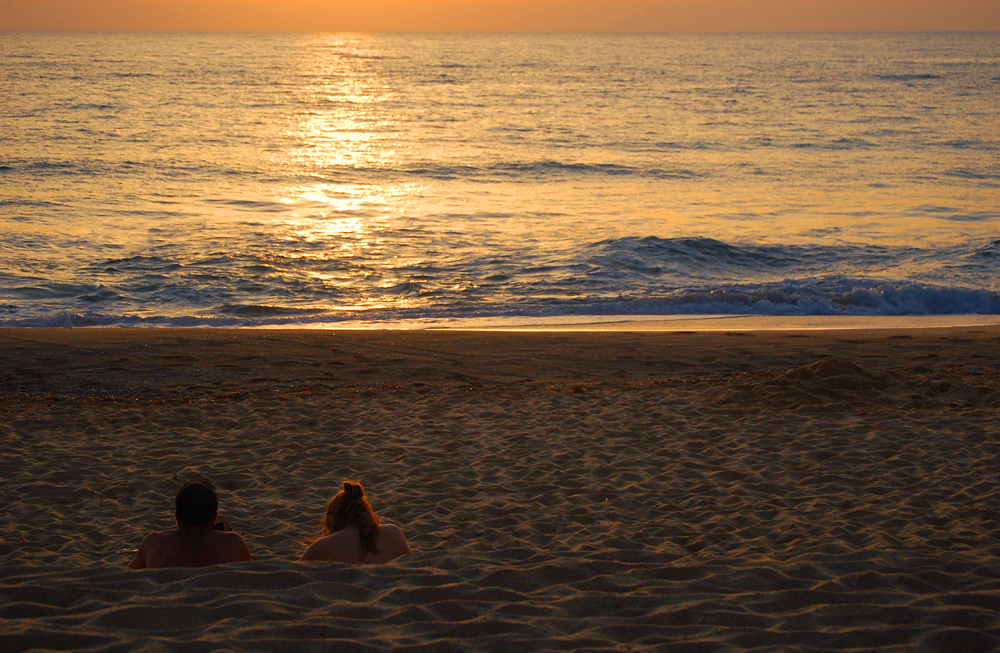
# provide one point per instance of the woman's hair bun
(353, 491)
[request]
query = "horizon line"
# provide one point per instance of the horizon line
(639, 32)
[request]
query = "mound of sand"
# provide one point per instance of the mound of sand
(835, 384)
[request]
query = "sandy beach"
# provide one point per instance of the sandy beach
(742, 490)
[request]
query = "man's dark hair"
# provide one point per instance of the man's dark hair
(196, 504)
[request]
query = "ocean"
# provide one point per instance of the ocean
(346, 179)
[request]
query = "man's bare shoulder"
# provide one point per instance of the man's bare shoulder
(231, 547)
(233, 541)
(174, 549)
(152, 549)
(159, 539)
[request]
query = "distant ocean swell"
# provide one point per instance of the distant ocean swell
(501, 171)
(649, 276)
(514, 171)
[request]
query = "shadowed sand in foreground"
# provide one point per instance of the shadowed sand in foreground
(828, 490)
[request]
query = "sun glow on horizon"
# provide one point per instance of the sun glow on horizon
(500, 15)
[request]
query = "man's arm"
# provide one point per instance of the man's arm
(238, 549)
(139, 561)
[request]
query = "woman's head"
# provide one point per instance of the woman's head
(350, 507)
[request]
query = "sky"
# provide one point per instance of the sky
(500, 15)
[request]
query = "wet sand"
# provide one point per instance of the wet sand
(665, 490)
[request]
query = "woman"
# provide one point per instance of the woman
(353, 534)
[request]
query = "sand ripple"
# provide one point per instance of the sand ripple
(817, 506)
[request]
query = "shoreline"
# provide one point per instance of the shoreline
(597, 323)
(715, 323)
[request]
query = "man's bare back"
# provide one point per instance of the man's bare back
(196, 542)
(187, 547)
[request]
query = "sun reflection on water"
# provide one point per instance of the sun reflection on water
(344, 123)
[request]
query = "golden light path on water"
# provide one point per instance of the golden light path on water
(341, 127)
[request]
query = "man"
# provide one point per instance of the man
(196, 542)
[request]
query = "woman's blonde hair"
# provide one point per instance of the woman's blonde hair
(350, 507)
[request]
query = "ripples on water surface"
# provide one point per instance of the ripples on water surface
(276, 179)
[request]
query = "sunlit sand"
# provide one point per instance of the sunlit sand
(711, 490)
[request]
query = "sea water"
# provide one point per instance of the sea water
(223, 179)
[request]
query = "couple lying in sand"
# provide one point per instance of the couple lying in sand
(352, 533)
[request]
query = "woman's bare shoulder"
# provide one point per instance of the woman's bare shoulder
(393, 538)
(320, 549)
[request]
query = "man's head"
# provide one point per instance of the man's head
(196, 505)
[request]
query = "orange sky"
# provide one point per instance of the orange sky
(501, 15)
